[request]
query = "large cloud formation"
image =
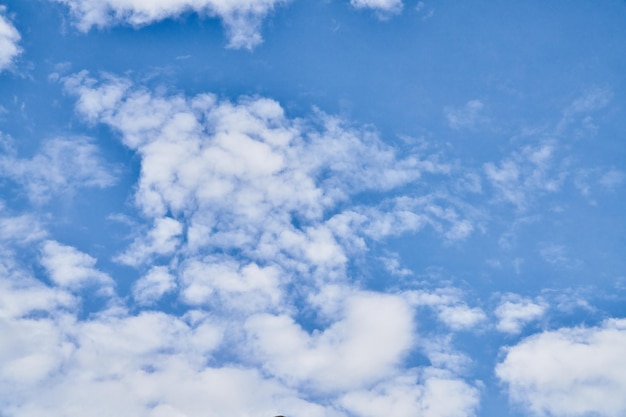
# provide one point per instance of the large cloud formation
(250, 223)
(570, 372)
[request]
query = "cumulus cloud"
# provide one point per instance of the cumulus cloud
(62, 166)
(9, 41)
(569, 372)
(364, 346)
(249, 215)
(514, 312)
(70, 268)
(243, 177)
(242, 18)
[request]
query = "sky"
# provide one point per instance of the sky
(312, 208)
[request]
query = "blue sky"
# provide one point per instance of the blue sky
(312, 208)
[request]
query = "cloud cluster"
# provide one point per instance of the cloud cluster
(569, 372)
(9, 41)
(251, 221)
(220, 179)
(242, 18)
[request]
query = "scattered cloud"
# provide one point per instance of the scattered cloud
(569, 372)
(514, 312)
(469, 116)
(383, 6)
(450, 308)
(9, 41)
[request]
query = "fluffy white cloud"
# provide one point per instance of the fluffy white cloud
(9, 40)
(569, 372)
(147, 365)
(162, 239)
(70, 268)
(249, 216)
(374, 333)
(514, 312)
(62, 166)
(242, 177)
(241, 18)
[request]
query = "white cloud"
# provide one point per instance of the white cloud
(514, 312)
(450, 308)
(62, 166)
(242, 18)
(224, 282)
(432, 393)
(385, 6)
(152, 286)
(70, 268)
(569, 372)
(22, 229)
(365, 346)
(9, 41)
(243, 177)
(250, 215)
(162, 239)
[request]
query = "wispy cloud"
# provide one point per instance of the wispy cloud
(470, 116)
(62, 166)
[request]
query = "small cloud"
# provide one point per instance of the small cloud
(612, 179)
(386, 7)
(70, 268)
(514, 312)
(469, 116)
